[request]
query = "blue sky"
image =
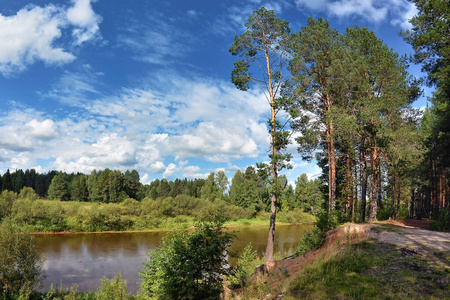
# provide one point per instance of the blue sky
(145, 85)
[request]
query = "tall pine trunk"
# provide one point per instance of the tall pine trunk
(363, 175)
(331, 161)
(391, 216)
(373, 185)
(273, 202)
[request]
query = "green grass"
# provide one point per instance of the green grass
(370, 270)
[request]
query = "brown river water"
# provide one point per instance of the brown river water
(85, 258)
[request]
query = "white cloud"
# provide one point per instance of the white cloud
(157, 167)
(362, 8)
(141, 128)
(44, 130)
(406, 11)
(376, 11)
(170, 170)
(85, 19)
(31, 35)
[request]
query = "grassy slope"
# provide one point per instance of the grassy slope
(346, 268)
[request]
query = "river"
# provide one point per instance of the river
(85, 258)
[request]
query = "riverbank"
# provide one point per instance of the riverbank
(65, 217)
(386, 260)
(246, 223)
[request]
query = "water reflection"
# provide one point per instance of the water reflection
(85, 258)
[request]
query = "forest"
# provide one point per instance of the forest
(112, 200)
(346, 98)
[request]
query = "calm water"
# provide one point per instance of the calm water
(85, 258)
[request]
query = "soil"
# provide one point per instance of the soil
(411, 237)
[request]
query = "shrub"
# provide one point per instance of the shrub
(310, 241)
(21, 266)
(243, 268)
(6, 201)
(131, 207)
(115, 288)
(442, 222)
(21, 211)
(27, 193)
(187, 265)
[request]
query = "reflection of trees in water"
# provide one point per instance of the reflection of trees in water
(85, 258)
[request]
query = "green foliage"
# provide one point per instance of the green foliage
(442, 222)
(116, 289)
(58, 188)
(310, 241)
(27, 193)
(242, 271)
(21, 266)
(6, 202)
(187, 265)
(297, 215)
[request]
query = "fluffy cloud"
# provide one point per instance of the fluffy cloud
(29, 36)
(23, 132)
(44, 130)
(142, 129)
(32, 33)
(157, 167)
(213, 142)
(84, 18)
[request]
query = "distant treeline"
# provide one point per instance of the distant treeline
(248, 190)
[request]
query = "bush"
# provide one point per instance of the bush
(115, 288)
(310, 241)
(297, 215)
(442, 222)
(187, 265)
(6, 201)
(21, 266)
(131, 207)
(243, 268)
(27, 193)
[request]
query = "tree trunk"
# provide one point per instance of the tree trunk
(348, 186)
(273, 204)
(331, 164)
(373, 185)
(379, 190)
(398, 201)
(363, 175)
(393, 195)
(271, 239)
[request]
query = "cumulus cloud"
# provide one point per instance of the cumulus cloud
(142, 129)
(21, 131)
(85, 19)
(157, 167)
(210, 140)
(170, 170)
(29, 36)
(32, 34)
(44, 130)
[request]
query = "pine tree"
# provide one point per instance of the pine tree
(264, 45)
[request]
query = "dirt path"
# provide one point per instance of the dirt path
(420, 239)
